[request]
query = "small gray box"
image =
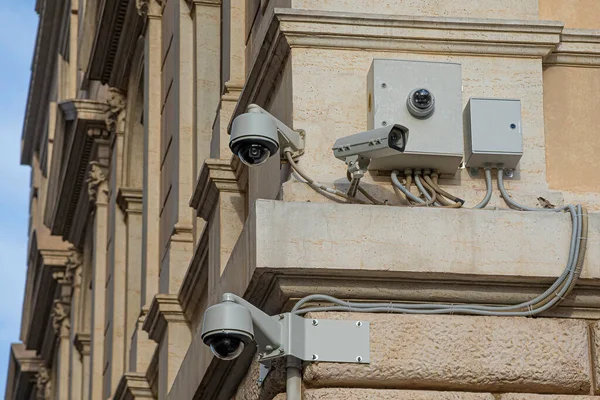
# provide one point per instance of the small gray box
(435, 142)
(493, 133)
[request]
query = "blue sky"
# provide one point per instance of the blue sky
(18, 26)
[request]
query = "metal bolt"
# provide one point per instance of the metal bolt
(358, 323)
(513, 126)
(509, 173)
(281, 351)
(281, 316)
(315, 357)
(269, 348)
(359, 359)
(315, 322)
(383, 85)
(383, 123)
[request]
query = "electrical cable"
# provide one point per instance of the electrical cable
(489, 189)
(434, 178)
(430, 199)
(552, 296)
(405, 191)
(317, 185)
(513, 204)
(442, 192)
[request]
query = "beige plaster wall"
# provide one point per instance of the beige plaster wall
(571, 104)
(582, 14)
(513, 9)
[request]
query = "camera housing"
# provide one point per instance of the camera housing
(227, 329)
(257, 135)
(373, 144)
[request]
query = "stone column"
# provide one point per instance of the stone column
(98, 193)
(167, 326)
(73, 277)
(82, 343)
(142, 347)
(130, 202)
(61, 325)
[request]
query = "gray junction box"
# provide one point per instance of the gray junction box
(493, 133)
(434, 142)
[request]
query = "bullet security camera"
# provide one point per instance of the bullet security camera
(234, 325)
(257, 135)
(376, 143)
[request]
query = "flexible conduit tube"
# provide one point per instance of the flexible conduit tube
(446, 194)
(489, 186)
(552, 296)
(513, 204)
(294, 378)
(430, 198)
(433, 181)
(408, 194)
(311, 182)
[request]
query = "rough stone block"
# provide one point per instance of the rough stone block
(465, 353)
(370, 394)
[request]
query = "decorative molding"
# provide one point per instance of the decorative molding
(182, 233)
(43, 385)
(115, 116)
(577, 48)
(195, 280)
(82, 342)
(204, 3)
(73, 268)
(165, 309)
(130, 200)
(96, 176)
(22, 370)
(60, 317)
(217, 176)
(150, 8)
(233, 91)
(133, 386)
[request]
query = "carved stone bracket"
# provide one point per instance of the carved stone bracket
(217, 176)
(133, 386)
(206, 3)
(115, 116)
(73, 268)
(82, 344)
(149, 8)
(60, 317)
(165, 309)
(96, 176)
(130, 200)
(43, 385)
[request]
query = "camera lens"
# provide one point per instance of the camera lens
(422, 99)
(226, 348)
(254, 154)
(421, 103)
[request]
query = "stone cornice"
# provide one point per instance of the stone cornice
(118, 29)
(23, 366)
(84, 141)
(578, 48)
(290, 28)
(82, 342)
(165, 309)
(150, 8)
(133, 386)
(196, 278)
(130, 200)
(217, 176)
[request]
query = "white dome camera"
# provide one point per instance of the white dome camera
(227, 329)
(257, 135)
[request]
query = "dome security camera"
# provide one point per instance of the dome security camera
(257, 135)
(420, 103)
(227, 329)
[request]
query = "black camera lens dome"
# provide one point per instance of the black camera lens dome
(226, 347)
(422, 98)
(254, 154)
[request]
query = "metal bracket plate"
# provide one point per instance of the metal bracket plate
(345, 341)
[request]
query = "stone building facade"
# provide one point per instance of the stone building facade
(141, 218)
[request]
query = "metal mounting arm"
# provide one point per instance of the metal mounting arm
(288, 138)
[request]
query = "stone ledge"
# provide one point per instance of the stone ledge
(165, 309)
(465, 353)
(130, 200)
(133, 386)
(82, 343)
(578, 47)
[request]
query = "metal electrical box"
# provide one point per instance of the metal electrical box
(493, 133)
(435, 141)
